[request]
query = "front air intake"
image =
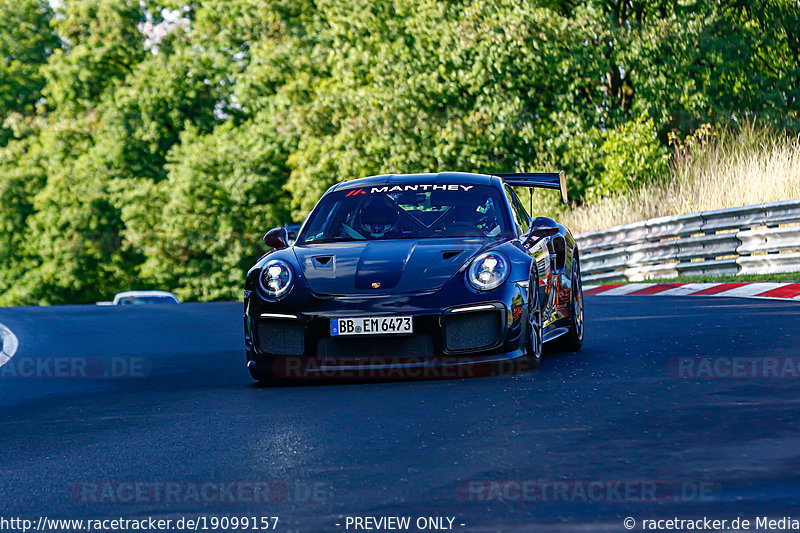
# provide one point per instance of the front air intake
(472, 330)
(375, 350)
(279, 336)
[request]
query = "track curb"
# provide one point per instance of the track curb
(761, 290)
(9, 344)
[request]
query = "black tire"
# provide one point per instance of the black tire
(267, 378)
(533, 330)
(572, 340)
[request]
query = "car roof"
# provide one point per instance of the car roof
(127, 294)
(466, 178)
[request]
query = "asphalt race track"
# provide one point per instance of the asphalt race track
(632, 426)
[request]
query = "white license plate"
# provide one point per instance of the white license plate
(384, 325)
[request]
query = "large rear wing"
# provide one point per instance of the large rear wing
(542, 180)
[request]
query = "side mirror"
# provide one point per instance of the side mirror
(276, 238)
(542, 227)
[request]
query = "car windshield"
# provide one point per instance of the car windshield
(407, 212)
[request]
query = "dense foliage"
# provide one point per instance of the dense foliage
(149, 144)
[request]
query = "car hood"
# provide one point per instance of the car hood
(384, 267)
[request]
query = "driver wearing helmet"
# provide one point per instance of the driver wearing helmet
(378, 218)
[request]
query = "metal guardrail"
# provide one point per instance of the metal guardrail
(754, 239)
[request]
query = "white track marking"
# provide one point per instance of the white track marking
(686, 290)
(748, 290)
(10, 345)
(625, 289)
(752, 289)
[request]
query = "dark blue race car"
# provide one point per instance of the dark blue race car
(415, 276)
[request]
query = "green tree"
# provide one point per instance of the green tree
(150, 143)
(25, 44)
(222, 193)
(101, 43)
(65, 232)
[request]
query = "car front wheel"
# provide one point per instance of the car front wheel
(260, 375)
(534, 328)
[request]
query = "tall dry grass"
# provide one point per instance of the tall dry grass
(730, 170)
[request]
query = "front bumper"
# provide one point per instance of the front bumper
(456, 333)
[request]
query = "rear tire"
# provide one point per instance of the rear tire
(572, 340)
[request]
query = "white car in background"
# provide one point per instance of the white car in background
(143, 298)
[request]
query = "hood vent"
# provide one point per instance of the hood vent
(449, 254)
(322, 261)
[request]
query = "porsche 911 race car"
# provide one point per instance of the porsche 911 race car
(414, 276)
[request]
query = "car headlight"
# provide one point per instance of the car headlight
(488, 271)
(277, 278)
